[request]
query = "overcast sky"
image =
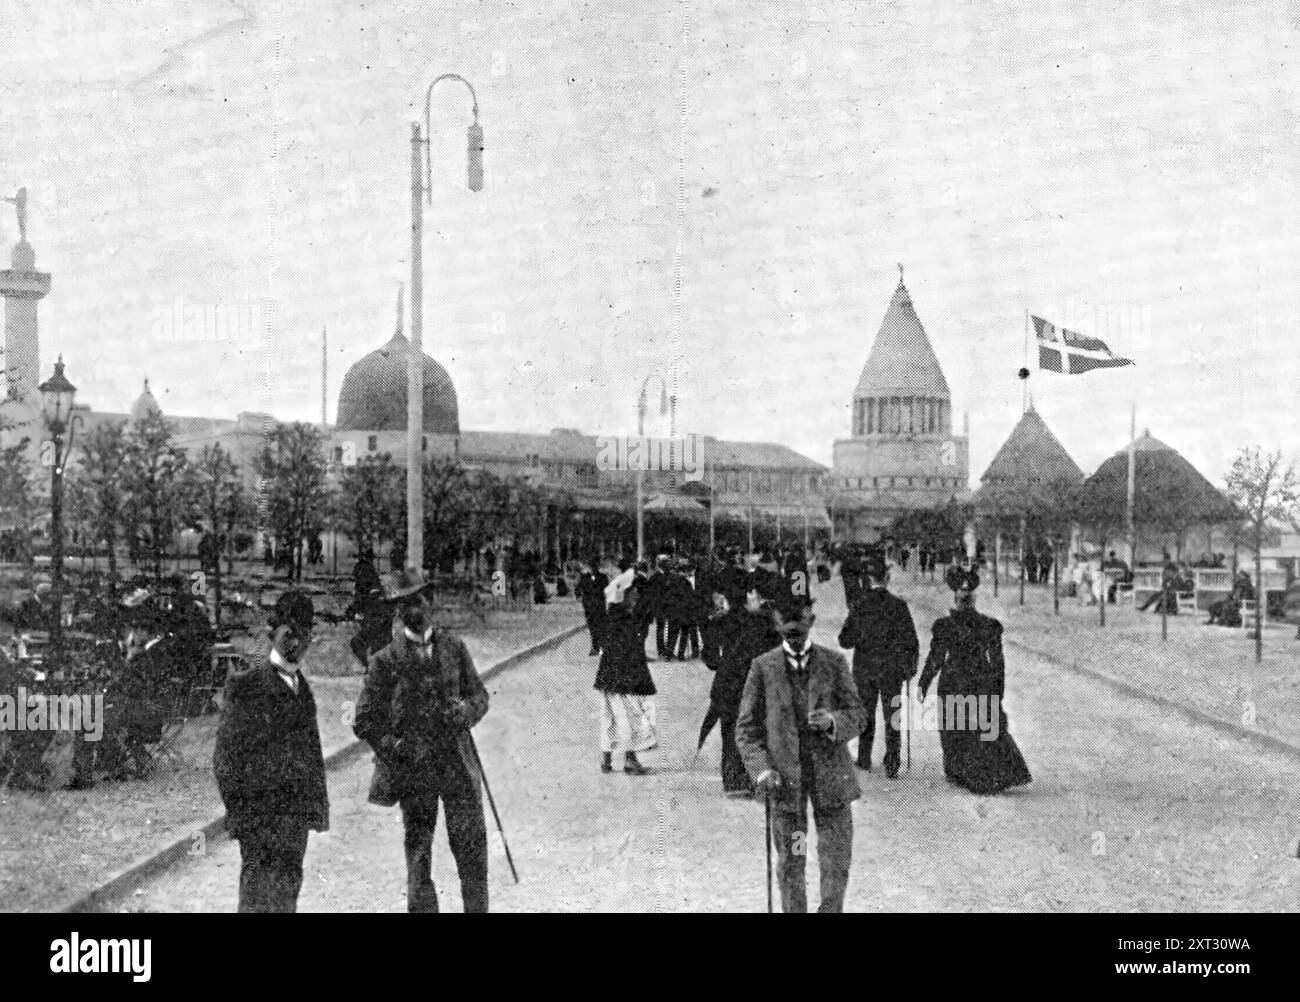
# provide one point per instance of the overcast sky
(715, 192)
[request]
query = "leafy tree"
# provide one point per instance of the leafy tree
(1265, 489)
(448, 499)
(155, 487)
(218, 498)
(370, 505)
(18, 502)
(102, 473)
(294, 492)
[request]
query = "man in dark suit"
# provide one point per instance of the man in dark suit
(421, 696)
(799, 710)
(590, 591)
(886, 652)
(269, 765)
(654, 597)
(850, 575)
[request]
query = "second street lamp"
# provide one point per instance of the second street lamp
(640, 470)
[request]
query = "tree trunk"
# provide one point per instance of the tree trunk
(1022, 561)
(1105, 584)
(1260, 597)
(1056, 577)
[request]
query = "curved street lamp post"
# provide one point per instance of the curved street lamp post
(57, 397)
(640, 469)
(421, 185)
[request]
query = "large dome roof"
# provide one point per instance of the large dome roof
(373, 397)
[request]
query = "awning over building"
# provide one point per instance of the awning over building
(792, 515)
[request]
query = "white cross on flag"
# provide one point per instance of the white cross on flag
(1069, 353)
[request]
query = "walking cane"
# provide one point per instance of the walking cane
(767, 833)
(908, 721)
(493, 804)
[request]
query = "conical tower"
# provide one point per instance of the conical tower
(1030, 456)
(902, 454)
(901, 390)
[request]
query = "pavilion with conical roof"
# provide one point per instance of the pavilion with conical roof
(1175, 507)
(902, 454)
(1030, 458)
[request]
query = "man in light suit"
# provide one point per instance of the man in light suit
(799, 710)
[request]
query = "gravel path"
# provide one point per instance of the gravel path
(1130, 809)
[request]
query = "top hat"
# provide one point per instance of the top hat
(403, 584)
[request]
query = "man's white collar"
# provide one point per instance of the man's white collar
(415, 638)
(281, 665)
(807, 646)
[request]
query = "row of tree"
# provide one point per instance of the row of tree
(131, 485)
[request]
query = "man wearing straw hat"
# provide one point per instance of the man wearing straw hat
(421, 697)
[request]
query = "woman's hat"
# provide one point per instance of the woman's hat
(959, 578)
(403, 584)
(874, 565)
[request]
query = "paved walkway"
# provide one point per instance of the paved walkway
(1130, 809)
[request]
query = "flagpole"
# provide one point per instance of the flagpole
(1132, 484)
(1024, 396)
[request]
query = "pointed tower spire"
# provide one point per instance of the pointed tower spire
(902, 361)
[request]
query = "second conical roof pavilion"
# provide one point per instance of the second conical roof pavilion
(1032, 453)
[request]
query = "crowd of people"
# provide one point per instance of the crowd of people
(146, 652)
(788, 707)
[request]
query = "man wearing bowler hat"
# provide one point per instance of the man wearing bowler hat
(421, 696)
(269, 765)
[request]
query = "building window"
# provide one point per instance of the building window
(338, 453)
(372, 443)
(424, 443)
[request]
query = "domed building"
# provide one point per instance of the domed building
(145, 405)
(374, 393)
(902, 454)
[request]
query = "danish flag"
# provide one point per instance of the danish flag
(1069, 353)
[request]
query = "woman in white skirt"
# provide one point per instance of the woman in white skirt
(627, 712)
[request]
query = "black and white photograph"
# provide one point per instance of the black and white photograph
(681, 457)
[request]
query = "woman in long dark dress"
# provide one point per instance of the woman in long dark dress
(627, 712)
(966, 654)
(732, 642)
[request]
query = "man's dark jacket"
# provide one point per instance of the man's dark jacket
(402, 714)
(268, 757)
(591, 592)
(880, 632)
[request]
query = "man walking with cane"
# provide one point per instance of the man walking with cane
(799, 710)
(421, 697)
(886, 653)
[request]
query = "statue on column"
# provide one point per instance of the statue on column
(20, 202)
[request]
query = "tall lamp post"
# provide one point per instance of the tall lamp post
(422, 184)
(57, 396)
(640, 469)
